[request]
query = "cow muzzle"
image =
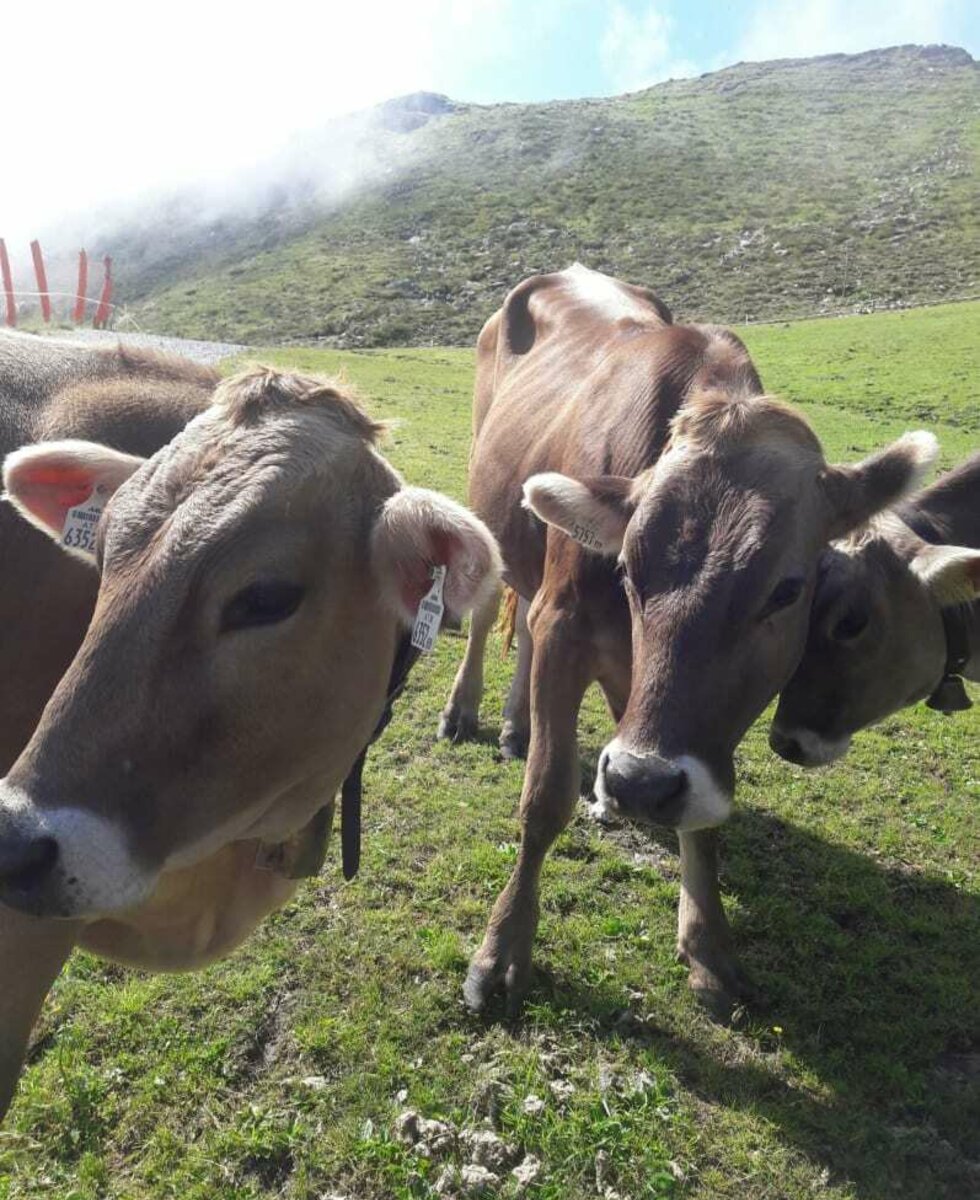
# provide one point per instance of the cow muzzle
(649, 788)
(64, 862)
(805, 747)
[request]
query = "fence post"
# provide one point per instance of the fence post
(42, 280)
(102, 312)
(78, 316)
(8, 285)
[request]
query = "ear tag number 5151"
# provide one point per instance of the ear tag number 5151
(429, 616)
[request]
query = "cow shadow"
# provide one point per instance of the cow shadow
(865, 975)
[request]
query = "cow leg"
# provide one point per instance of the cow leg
(515, 731)
(703, 935)
(561, 670)
(460, 721)
(32, 952)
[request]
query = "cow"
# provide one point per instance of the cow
(661, 519)
(249, 583)
(896, 619)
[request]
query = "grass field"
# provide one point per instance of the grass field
(853, 894)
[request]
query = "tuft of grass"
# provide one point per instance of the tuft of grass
(853, 891)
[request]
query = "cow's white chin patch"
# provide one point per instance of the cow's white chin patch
(706, 804)
(603, 808)
(818, 751)
(96, 872)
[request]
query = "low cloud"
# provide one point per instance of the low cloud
(636, 49)
(813, 27)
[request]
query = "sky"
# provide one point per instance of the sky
(120, 99)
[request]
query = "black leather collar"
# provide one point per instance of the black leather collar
(949, 694)
(406, 656)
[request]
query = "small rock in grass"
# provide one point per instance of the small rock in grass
(561, 1089)
(316, 1083)
(487, 1099)
(527, 1171)
(445, 1185)
(602, 1167)
(437, 1137)
(478, 1181)
(533, 1105)
(642, 1082)
(428, 1137)
(407, 1127)
(487, 1150)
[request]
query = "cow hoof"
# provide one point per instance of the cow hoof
(455, 726)
(513, 745)
(718, 1002)
(484, 979)
(721, 994)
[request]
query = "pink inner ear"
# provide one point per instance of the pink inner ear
(48, 491)
(417, 577)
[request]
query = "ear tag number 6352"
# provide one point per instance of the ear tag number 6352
(82, 520)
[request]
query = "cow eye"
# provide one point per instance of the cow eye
(785, 593)
(850, 626)
(265, 603)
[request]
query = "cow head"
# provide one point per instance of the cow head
(256, 576)
(718, 546)
(877, 641)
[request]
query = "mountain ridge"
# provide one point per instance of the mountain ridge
(760, 191)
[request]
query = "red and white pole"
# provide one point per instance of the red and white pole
(42, 280)
(78, 316)
(102, 312)
(8, 285)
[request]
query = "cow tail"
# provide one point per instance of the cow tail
(507, 621)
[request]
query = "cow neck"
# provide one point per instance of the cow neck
(302, 855)
(406, 656)
(959, 621)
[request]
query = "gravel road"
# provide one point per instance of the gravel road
(202, 352)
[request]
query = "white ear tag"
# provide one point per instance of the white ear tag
(585, 535)
(81, 521)
(429, 617)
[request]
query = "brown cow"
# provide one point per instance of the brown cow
(664, 520)
(255, 576)
(895, 620)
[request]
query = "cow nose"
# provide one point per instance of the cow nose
(26, 862)
(787, 747)
(643, 785)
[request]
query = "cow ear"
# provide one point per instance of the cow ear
(62, 487)
(951, 573)
(418, 530)
(594, 512)
(855, 494)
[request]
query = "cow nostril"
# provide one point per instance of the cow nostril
(668, 783)
(25, 864)
(641, 781)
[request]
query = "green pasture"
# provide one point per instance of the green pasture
(854, 1073)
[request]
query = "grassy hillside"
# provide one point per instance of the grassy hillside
(854, 894)
(763, 190)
